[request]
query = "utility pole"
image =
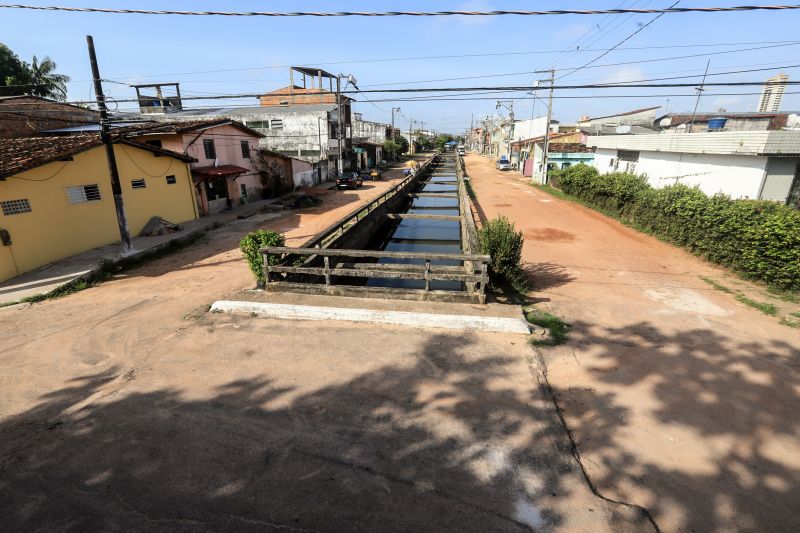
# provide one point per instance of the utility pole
(546, 144)
(699, 92)
(105, 136)
(339, 163)
(393, 110)
(410, 137)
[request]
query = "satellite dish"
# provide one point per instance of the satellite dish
(623, 129)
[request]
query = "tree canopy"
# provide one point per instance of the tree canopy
(38, 78)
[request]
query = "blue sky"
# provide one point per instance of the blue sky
(192, 51)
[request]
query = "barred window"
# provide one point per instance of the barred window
(245, 149)
(209, 148)
(276, 123)
(171, 180)
(15, 207)
(138, 184)
(83, 193)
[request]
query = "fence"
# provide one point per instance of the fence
(340, 263)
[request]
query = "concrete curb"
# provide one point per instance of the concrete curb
(374, 316)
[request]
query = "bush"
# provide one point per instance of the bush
(250, 246)
(500, 240)
(758, 239)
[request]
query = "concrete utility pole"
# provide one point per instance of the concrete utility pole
(393, 110)
(339, 162)
(105, 136)
(508, 104)
(546, 144)
(410, 137)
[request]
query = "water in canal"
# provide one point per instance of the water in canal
(427, 235)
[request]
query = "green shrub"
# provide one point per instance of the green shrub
(758, 239)
(500, 240)
(252, 243)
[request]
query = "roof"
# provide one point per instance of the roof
(553, 135)
(25, 153)
(569, 148)
(607, 129)
(247, 112)
(183, 126)
(635, 111)
(219, 172)
(48, 100)
(778, 119)
(313, 71)
(742, 143)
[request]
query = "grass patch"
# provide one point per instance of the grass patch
(785, 296)
(554, 325)
(717, 286)
(796, 314)
(767, 309)
(790, 323)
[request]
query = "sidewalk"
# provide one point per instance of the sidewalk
(84, 265)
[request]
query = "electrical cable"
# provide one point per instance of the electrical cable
(720, 9)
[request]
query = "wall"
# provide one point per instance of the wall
(299, 95)
(56, 229)
(734, 175)
(781, 172)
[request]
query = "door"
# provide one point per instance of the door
(794, 191)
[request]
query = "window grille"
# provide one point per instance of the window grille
(15, 207)
(83, 193)
(138, 184)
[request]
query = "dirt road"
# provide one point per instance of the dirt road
(682, 399)
(127, 407)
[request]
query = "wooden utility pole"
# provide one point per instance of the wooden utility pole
(546, 144)
(105, 136)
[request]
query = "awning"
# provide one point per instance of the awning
(223, 171)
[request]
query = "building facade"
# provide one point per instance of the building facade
(740, 164)
(56, 198)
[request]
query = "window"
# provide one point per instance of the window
(276, 124)
(243, 190)
(171, 180)
(627, 155)
(15, 207)
(138, 184)
(83, 193)
(209, 148)
(245, 149)
(258, 125)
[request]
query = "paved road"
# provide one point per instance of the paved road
(127, 407)
(682, 399)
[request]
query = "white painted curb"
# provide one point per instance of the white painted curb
(372, 316)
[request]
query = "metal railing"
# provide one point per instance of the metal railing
(339, 263)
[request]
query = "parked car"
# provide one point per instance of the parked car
(349, 180)
(503, 164)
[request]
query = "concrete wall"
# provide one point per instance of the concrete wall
(55, 229)
(733, 175)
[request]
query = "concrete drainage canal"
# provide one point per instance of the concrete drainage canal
(417, 241)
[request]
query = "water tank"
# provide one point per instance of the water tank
(717, 123)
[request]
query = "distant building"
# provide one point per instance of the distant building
(772, 94)
(740, 164)
(31, 115)
(637, 117)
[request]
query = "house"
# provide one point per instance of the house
(727, 121)
(368, 139)
(740, 164)
(224, 159)
(530, 152)
(56, 198)
(28, 115)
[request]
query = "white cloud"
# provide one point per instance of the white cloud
(623, 75)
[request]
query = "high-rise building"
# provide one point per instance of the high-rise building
(771, 95)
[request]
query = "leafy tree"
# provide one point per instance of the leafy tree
(47, 83)
(17, 77)
(441, 140)
(403, 142)
(13, 72)
(391, 149)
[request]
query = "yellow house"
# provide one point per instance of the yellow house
(56, 199)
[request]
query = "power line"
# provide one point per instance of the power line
(402, 13)
(619, 43)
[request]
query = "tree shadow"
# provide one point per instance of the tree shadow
(544, 276)
(434, 444)
(710, 436)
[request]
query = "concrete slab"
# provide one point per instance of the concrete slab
(373, 316)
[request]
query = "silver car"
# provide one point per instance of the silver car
(503, 164)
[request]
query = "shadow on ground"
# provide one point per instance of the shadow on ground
(420, 447)
(702, 431)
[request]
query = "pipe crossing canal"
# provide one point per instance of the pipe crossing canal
(416, 242)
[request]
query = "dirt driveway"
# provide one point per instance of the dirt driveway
(682, 399)
(127, 407)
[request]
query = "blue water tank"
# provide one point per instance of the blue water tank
(717, 123)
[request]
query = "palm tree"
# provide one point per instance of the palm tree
(46, 82)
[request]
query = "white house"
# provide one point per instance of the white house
(741, 164)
